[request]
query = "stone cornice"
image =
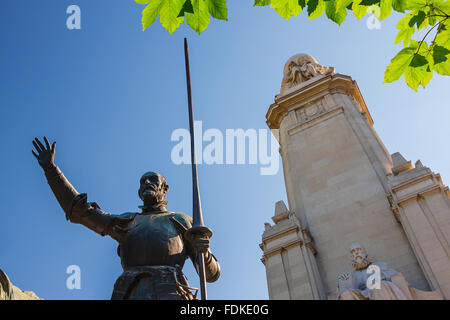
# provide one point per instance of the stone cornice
(310, 91)
(284, 246)
(436, 186)
(413, 196)
(427, 175)
(281, 233)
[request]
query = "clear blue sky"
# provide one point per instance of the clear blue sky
(111, 95)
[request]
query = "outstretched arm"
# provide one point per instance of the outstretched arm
(74, 204)
(64, 192)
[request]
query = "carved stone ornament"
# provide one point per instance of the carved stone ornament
(301, 68)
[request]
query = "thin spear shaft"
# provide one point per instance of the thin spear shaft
(196, 204)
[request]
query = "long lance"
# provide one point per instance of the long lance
(197, 227)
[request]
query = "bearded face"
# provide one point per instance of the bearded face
(153, 188)
(359, 256)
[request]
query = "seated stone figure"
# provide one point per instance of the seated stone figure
(361, 283)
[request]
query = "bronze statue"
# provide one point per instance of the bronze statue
(153, 244)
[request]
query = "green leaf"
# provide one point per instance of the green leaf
(218, 9)
(419, 74)
(385, 9)
(415, 4)
(200, 19)
(151, 12)
(417, 19)
(418, 61)
(423, 50)
(440, 54)
(315, 8)
(369, 2)
(398, 64)
(359, 10)
(286, 8)
(187, 8)
(168, 15)
(432, 17)
(413, 63)
(337, 16)
(261, 3)
(312, 6)
(342, 4)
(442, 6)
(399, 5)
(142, 1)
(443, 36)
(424, 23)
(405, 31)
(441, 59)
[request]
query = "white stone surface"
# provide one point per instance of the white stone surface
(421, 203)
(337, 174)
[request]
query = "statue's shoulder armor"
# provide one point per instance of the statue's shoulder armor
(122, 220)
(183, 218)
(127, 215)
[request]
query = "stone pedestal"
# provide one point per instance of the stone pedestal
(336, 172)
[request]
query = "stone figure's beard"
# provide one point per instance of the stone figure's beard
(153, 198)
(361, 265)
(152, 194)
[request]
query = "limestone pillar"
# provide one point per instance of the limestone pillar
(291, 268)
(420, 202)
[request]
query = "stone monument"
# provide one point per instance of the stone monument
(343, 186)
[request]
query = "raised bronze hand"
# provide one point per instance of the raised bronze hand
(45, 155)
